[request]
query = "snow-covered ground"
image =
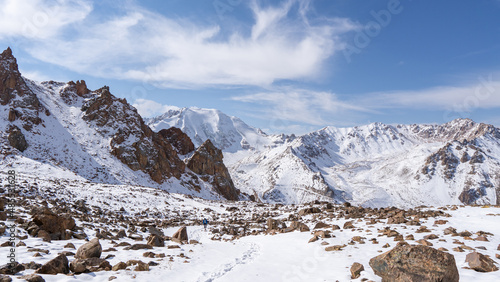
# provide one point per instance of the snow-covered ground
(261, 257)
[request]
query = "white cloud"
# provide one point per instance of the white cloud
(149, 108)
(301, 106)
(484, 94)
(39, 19)
(147, 46)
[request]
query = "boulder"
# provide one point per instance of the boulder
(356, 269)
(480, 262)
(55, 266)
(5, 278)
(11, 269)
(89, 265)
(181, 235)
(415, 263)
(156, 241)
(91, 249)
(119, 266)
(16, 139)
(54, 225)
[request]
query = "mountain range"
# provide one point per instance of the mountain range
(66, 131)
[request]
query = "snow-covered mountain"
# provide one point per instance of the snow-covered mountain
(372, 165)
(64, 130)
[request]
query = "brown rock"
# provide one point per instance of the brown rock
(55, 225)
(44, 235)
(415, 263)
(156, 241)
(307, 211)
(89, 265)
(91, 249)
(11, 269)
(480, 262)
(334, 248)
(151, 153)
(139, 247)
(356, 269)
(349, 225)
(181, 235)
(119, 266)
(179, 140)
(55, 266)
(32, 278)
(207, 162)
(320, 225)
(424, 242)
(16, 139)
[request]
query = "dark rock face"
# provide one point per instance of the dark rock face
(178, 139)
(207, 162)
(12, 85)
(55, 266)
(17, 139)
(132, 141)
(415, 263)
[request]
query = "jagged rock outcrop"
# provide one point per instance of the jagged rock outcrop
(132, 141)
(207, 162)
(12, 85)
(178, 139)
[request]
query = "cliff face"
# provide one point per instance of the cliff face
(207, 162)
(24, 106)
(179, 140)
(132, 141)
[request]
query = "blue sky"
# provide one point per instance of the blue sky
(284, 66)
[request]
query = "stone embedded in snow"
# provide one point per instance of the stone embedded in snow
(55, 266)
(480, 262)
(181, 235)
(90, 249)
(356, 269)
(415, 263)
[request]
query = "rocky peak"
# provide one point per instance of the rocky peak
(207, 162)
(179, 140)
(132, 141)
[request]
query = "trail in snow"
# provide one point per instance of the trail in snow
(248, 256)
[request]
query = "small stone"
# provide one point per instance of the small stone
(356, 269)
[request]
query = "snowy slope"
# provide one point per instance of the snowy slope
(372, 165)
(227, 133)
(66, 146)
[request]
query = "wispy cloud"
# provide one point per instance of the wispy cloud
(484, 94)
(143, 45)
(148, 108)
(301, 106)
(39, 19)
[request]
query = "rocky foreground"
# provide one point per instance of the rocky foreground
(79, 231)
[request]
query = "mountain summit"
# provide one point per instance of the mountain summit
(64, 130)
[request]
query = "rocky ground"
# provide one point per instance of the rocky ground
(80, 231)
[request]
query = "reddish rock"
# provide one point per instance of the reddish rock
(178, 139)
(207, 162)
(150, 152)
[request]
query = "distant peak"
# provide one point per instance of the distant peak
(7, 52)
